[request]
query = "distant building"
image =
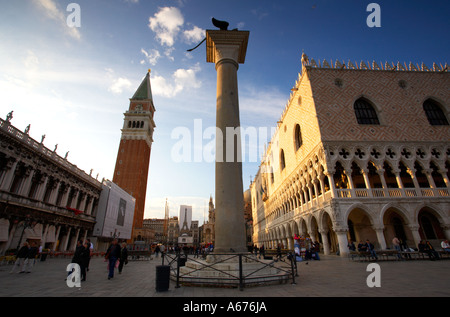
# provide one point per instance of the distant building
(173, 232)
(208, 232)
(157, 226)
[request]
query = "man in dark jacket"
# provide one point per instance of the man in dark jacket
(123, 257)
(31, 257)
(112, 254)
(21, 257)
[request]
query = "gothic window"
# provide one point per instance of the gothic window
(420, 176)
(434, 113)
(389, 176)
(282, 160)
(297, 137)
(437, 177)
(365, 112)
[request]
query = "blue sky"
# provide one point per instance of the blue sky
(74, 84)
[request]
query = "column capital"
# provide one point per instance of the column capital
(222, 44)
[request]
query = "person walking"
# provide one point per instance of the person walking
(279, 252)
(78, 258)
(85, 259)
(112, 255)
(91, 250)
(123, 257)
(21, 257)
(31, 257)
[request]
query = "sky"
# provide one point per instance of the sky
(68, 68)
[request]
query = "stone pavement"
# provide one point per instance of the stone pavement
(330, 277)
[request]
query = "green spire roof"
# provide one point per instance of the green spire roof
(144, 91)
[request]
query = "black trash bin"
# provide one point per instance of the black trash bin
(183, 261)
(162, 278)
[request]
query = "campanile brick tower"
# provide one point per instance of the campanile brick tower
(133, 158)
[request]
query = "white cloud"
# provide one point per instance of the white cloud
(195, 35)
(182, 79)
(166, 23)
(151, 56)
(53, 12)
(119, 85)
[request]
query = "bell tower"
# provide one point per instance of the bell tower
(133, 158)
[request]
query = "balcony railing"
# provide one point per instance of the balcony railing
(392, 192)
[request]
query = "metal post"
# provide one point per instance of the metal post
(292, 267)
(241, 280)
(178, 271)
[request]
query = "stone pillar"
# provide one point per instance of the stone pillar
(415, 233)
(326, 243)
(342, 241)
(380, 237)
(227, 49)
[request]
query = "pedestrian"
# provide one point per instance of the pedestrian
(261, 251)
(21, 257)
(91, 250)
(85, 259)
(279, 252)
(255, 248)
(157, 251)
(315, 249)
(78, 258)
(112, 255)
(123, 257)
(31, 257)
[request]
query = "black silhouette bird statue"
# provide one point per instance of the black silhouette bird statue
(222, 25)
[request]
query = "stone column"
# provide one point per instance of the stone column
(380, 237)
(326, 243)
(227, 49)
(341, 234)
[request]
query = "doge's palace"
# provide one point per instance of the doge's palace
(361, 151)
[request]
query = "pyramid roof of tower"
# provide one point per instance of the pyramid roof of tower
(145, 89)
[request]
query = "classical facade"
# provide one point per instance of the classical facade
(133, 158)
(360, 152)
(157, 226)
(43, 197)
